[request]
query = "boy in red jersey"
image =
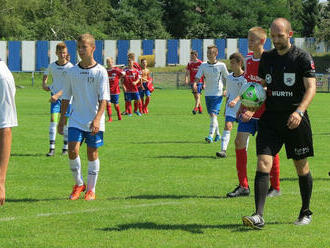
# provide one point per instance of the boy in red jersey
(114, 74)
(130, 86)
(248, 121)
(191, 71)
(146, 80)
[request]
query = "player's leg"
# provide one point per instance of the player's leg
(241, 165)
(93, 143)
(213, 104)
(225, 138)
(55, 109)
(117, 107)
(199, 93)
(274, 189)
(141, 93)
(75, 138)
(137, 104)
(126, 104)
(146, 103)
(5, 147)
(109, 110)
(194, 111)
(65, 131)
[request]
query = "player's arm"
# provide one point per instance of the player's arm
(187, 76)
(44, 83)
(295, 118)
(56, 96)
(233, 102)
(95, 125)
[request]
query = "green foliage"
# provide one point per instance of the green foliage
(310, 16)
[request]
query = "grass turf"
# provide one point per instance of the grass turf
(159, 184)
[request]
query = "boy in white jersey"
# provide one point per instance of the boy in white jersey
(234, 82)
(88, 84)
(8, 119)
(56, 70)
(213, 72)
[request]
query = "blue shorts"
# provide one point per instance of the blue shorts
(114, 98)
(213, 104)
(199, 88)
(145, 92)
(248, 127)
(77, 135)
(132, 96)
(230, 119)
(55, 107)
(68, 111)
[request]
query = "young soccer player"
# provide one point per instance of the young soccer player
(146, 81)
(191, 71)
(234, 82)
(88, 85)
(248, 121)
(56, 70)
(130, 85)
(213, 72)
(115, 74)
(8, 119)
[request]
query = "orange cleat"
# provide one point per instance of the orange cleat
(90, 195)
(77, 191)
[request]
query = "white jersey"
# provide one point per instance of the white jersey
(56, 71)
(213, 77)
(8, 115)
(86, 87)
(234, 85)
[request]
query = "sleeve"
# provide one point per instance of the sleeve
(104, 91)
(199, 73)
(66, 87)
(261, 67)
(307, 65)
(225, 72)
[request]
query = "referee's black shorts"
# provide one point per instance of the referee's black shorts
(273, 133)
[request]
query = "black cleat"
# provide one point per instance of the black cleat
(304, 218)
(221, 154)
(239, 191)
(255, 221)
(194, 112)
(64, 151)
(51, 153)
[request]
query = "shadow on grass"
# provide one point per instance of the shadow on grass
(292, 179)
(184, 157)
(28, 155)
(152, 197)
(192, 228)
(33, 200)
(168, 142)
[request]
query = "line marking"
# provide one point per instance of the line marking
(4, 219)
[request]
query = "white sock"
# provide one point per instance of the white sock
(65, 137)
(75, 165)
(225, 140)
(217, 132)
(247, 143)
(213, 125)
(93, 171)
(52, 134)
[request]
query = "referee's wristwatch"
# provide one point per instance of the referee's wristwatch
(301, 113)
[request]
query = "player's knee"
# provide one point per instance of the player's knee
(302, 166)
(264, 163)
(73, 154)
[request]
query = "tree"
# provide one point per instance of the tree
(310, 16)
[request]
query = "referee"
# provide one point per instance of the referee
(288, 73)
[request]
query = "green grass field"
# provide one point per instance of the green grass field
(159, 184)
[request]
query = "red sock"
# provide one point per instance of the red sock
(129, 107)
(118, 112)
(109, 110)
(200, 109)
(140, 106)
(147, 102)
(126, 107)
(275, 173)
(135, 106)
(241, 164)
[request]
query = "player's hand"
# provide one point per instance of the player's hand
(45, 87)
(294, 120)
(95, 126)
(245, 115)
(232, 104)
(224, 93)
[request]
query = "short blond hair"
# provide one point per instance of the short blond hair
(259, 32)
(87, 37)
(210, 47)
(131, 55)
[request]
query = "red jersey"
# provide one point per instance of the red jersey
(251, 75)
(131, 75)
(114, 75)
(137, 66)
(192, 67)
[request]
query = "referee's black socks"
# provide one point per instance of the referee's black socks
(261, 182)
(306, 186)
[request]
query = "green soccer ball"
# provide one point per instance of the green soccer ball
(252, 94)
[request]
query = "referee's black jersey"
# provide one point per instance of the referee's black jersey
(284, 77)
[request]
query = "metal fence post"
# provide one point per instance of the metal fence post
(177, 80)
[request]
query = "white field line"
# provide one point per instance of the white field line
(4, 219)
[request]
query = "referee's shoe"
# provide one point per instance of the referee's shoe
(305, 217)
(255, 221)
